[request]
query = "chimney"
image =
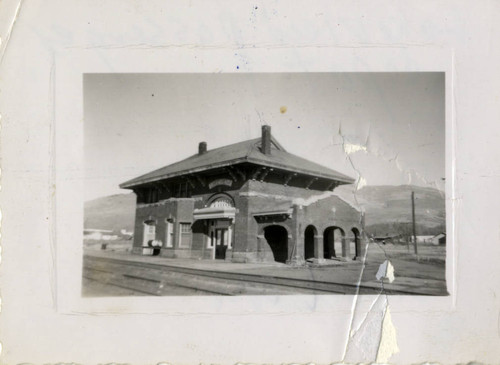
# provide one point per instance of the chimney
(266, 140)
(202, 148)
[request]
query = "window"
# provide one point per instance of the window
(169, 234)
(222, 202)
(185, 227)
(185, 235)
(149, 232)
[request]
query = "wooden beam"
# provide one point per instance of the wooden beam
(188, 179)
(332, 185)
(265, 173)
(165, 187)
(157, 186)
(200, 180)
(256, 173)
(310, 182)
(233, 176)
(289, 177)
(241, 173)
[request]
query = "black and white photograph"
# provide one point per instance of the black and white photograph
(264, 184)
(229, 183)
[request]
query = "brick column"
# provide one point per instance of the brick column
(346, 248)
(296, 243)
(363, 242)
(318, 246)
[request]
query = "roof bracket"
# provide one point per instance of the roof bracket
(139, 193)
(289, 177)
(264, 174)
(165, 187)
(256, 172)
(190, 181)
(240, 173)
(310, 182)
(332, 185)
(158, 186)
(231, 173)
(200, 180)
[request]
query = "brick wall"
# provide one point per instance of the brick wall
(249, 243)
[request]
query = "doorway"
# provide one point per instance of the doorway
(277, 239)
(332, 242)
(221, 242)
(357, 245)
(309, 242)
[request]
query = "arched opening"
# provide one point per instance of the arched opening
(357, 243)
(332, 242)
(220, 200)
(277, 239)
(309, 234)
(216, 224)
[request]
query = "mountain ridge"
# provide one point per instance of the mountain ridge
(386, 208)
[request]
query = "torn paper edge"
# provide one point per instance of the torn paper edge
(9, 13)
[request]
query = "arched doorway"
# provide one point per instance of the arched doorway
(309, 234)
(357, 243)
(332, 242)
(277, 239)
(218, 216)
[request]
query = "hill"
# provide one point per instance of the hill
(114, 212)
(388, 209)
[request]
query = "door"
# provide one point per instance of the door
(221, 243)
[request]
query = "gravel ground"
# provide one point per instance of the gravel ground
(423, 276)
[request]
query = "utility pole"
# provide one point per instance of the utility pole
(407, 236)
(413, 220)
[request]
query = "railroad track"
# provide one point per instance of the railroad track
(163, 279)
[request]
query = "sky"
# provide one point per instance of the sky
(392, 124)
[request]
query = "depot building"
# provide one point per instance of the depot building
(251, 201)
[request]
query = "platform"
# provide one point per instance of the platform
(164, 276)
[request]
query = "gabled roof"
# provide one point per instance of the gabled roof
(242, 152)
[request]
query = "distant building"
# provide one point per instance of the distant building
(439, 239)
(423, 239)
(389, 238)
(251, 201)
(126, 234)
(98, 235)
